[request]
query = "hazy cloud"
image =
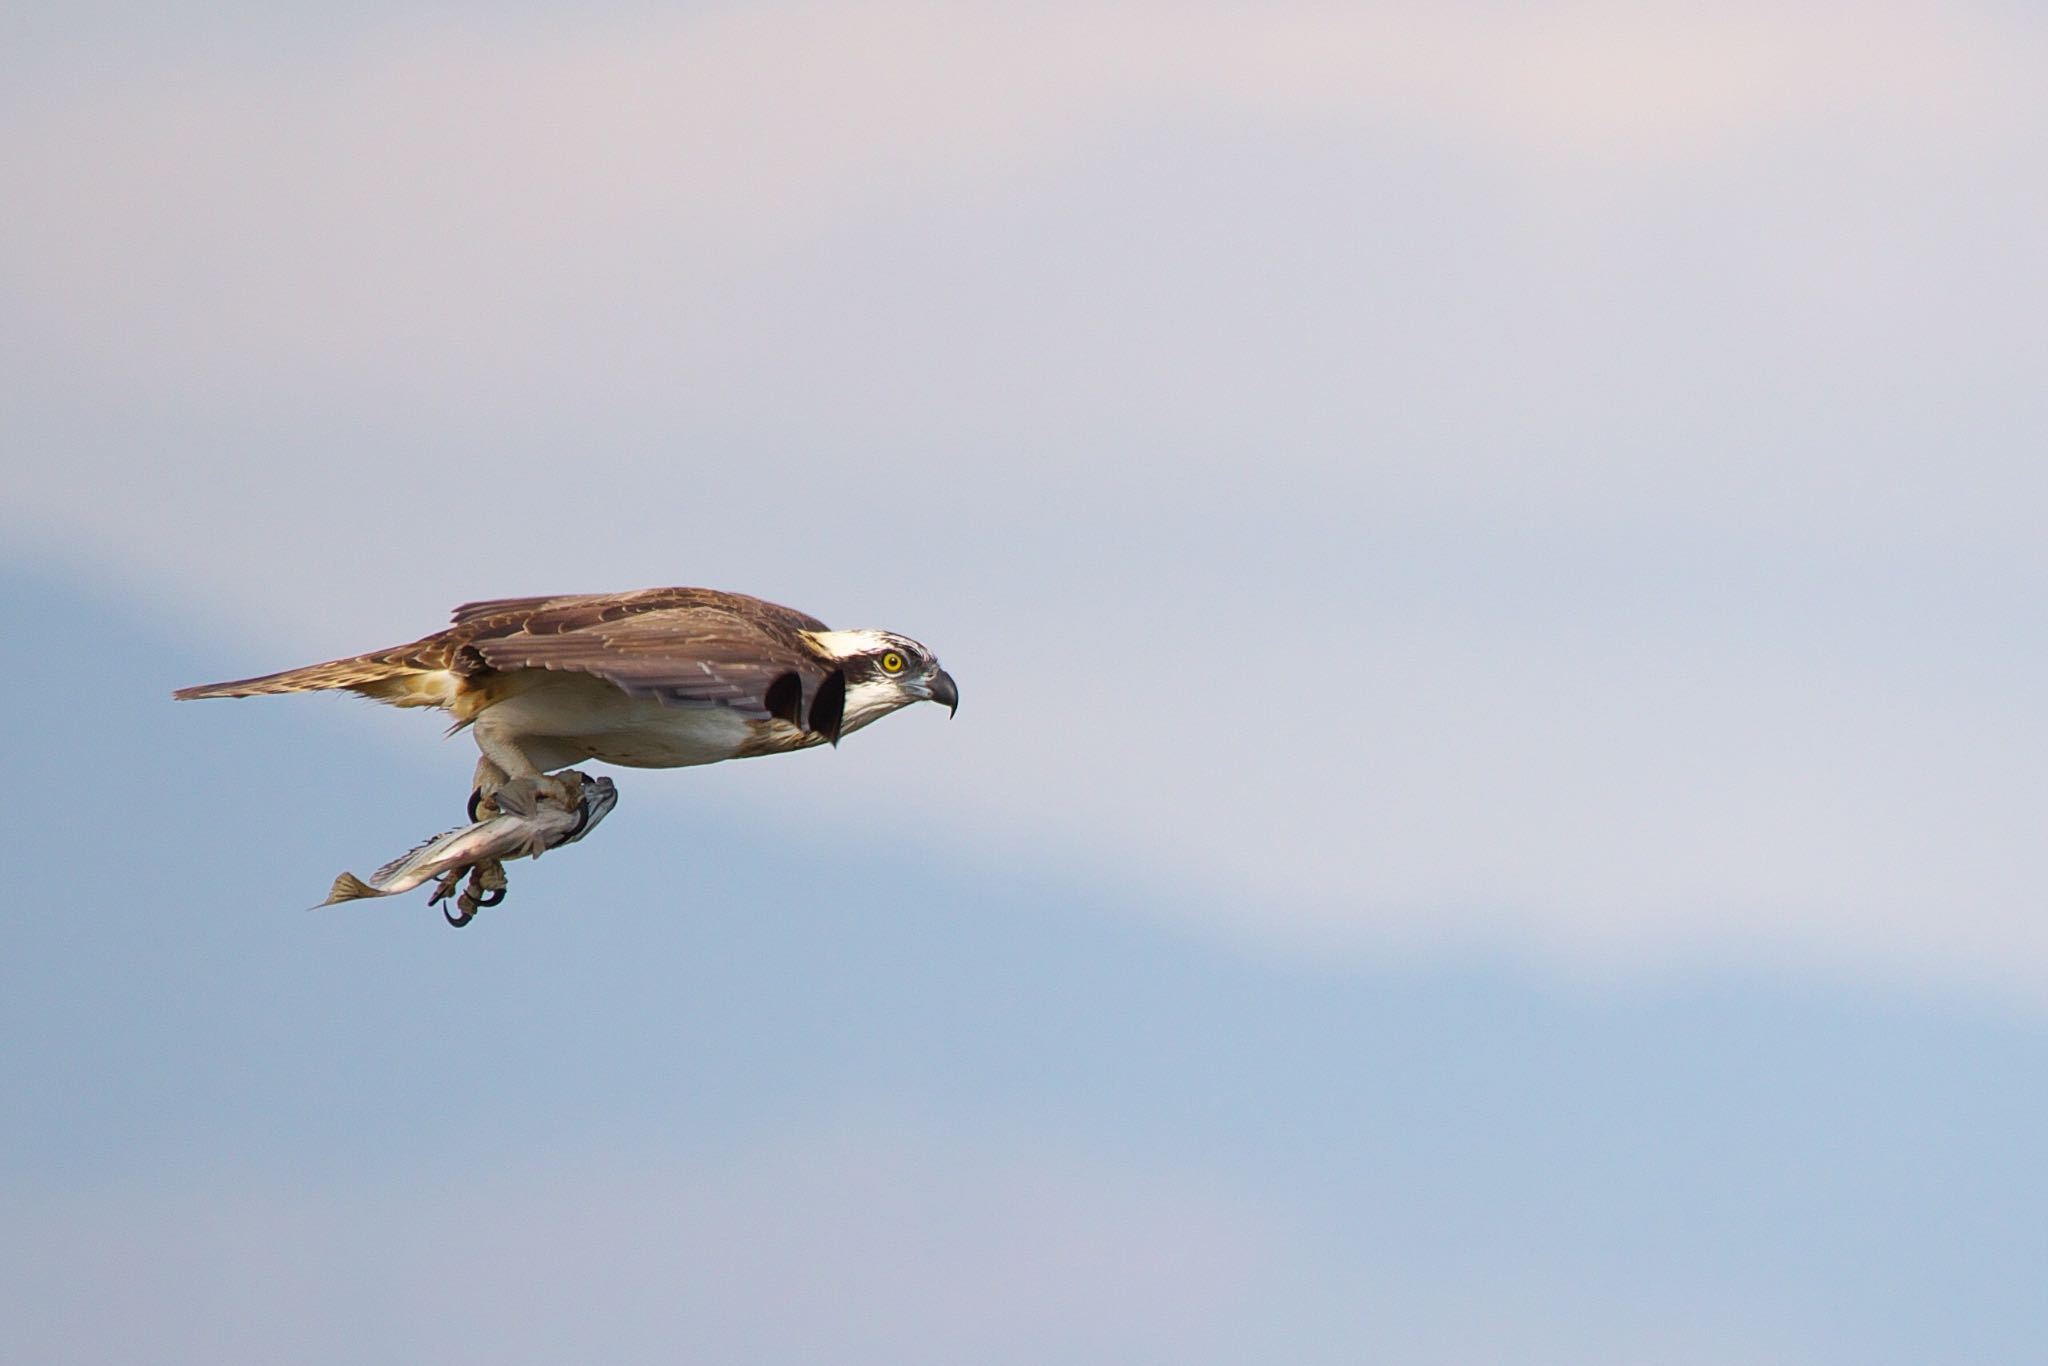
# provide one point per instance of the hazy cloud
(1560, 477)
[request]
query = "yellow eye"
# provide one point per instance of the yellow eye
(892, 663)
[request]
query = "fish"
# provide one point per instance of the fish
(530, 821)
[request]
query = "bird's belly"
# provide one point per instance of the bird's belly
(680, 737)
(603, 723)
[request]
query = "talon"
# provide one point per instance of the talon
(486, 885)
(582, 820)
(458, 921)
(476, 801)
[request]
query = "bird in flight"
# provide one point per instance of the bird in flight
(659, 678)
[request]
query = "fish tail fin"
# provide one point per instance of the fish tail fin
(349, 887)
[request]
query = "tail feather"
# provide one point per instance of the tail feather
(369, 674)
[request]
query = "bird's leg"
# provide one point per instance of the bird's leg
(483, 790)
(504, 763)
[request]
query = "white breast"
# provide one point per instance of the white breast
(568, 717)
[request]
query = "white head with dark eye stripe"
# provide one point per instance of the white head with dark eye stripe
(885, 671)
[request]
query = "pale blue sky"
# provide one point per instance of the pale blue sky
(719, 1088)
(1492, 555)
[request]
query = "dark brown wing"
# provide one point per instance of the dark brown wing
(574, 611)
(689, 646)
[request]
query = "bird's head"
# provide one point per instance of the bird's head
(885, 671)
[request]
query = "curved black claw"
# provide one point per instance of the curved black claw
(490, 898)
(457, 917)
(582, 821)
(476, 799)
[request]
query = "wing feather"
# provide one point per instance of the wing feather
(547, 615)
(687, 646)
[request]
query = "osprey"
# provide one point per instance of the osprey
(661, 678)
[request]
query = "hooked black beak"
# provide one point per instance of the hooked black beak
(944, 689)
